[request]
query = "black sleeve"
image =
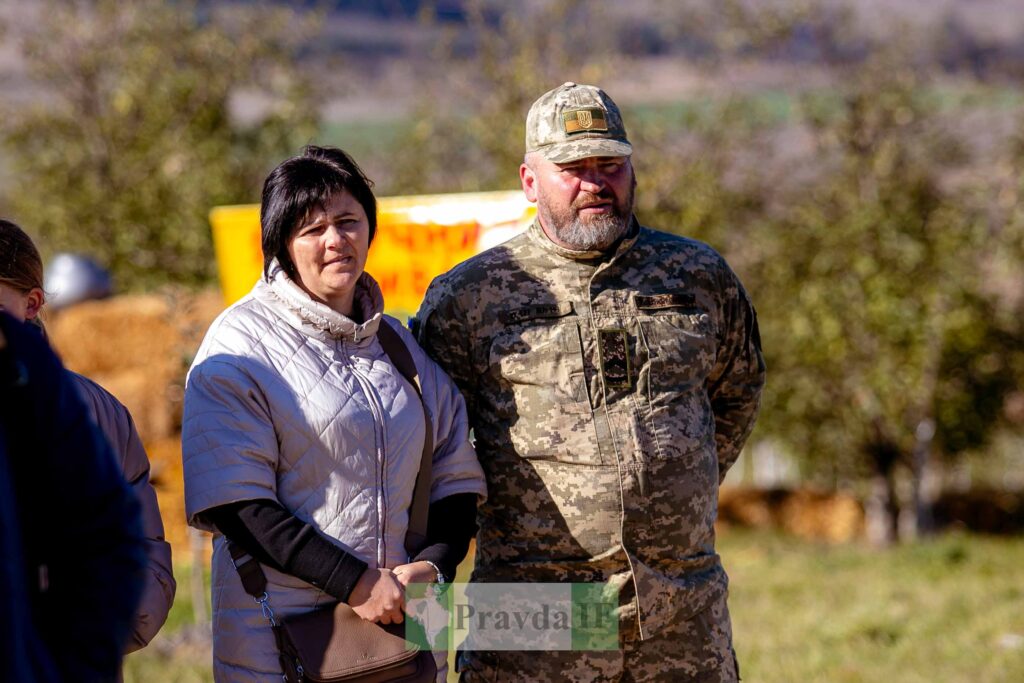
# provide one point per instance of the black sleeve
(450, 526)
(279, 539)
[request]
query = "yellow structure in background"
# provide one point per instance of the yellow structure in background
(418, 238)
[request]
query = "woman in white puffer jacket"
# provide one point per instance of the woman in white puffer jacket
(301, 441)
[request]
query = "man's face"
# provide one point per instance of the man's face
(584, 205)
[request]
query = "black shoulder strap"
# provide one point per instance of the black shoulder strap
(401, 357)
(253, 579)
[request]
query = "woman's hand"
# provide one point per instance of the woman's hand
(378, 596)
(416, 572)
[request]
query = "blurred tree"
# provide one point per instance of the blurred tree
(137, 135)
(708, 174)
(877, 302)
(494, 66)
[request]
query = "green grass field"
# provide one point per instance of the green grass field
(949, 610)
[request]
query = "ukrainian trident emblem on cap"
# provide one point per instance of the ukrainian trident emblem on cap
(573, 122)
(584, 121)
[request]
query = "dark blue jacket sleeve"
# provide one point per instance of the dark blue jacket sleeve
(81, 532)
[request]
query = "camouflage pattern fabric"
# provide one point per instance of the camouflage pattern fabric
(575, 121)
(698, 650)
(596, 478)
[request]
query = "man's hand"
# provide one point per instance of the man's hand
(378, 596)
(416, 572)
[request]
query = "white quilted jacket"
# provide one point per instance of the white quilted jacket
(291, 401)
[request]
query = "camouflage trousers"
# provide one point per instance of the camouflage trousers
(698, 650)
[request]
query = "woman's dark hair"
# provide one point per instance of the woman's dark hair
(21, 268)
(297, 187)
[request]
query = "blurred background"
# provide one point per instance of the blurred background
(859, 163)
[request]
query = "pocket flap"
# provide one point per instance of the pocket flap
(667, 300)
(518, 315)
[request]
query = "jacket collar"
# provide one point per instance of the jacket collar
(537, 235)
(320, 320)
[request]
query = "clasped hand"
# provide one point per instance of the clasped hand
(379, 594)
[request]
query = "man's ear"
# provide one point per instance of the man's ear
(34, 303)
(529, 180)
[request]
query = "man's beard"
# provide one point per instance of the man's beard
(593, 233)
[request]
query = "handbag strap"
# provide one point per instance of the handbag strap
(400, 356)
(254, 580)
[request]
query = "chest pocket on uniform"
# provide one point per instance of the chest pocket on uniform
(680, 339)
(541, 354)
(679, 336)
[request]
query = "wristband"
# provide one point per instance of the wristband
(440, 576)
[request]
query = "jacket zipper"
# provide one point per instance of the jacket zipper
(377, 408)
(618, 460)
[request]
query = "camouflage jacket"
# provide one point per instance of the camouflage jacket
(608, 395)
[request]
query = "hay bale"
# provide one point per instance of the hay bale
(106, 337)
(193, 313)
(139, 347)
(149, 397)
(834, 517)
(166, 476)
(747, 507)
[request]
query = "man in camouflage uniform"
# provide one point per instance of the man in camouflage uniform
(612, 374)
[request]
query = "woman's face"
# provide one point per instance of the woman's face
(329, 251)
(22, 305)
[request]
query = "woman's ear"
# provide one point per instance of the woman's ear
(34, 301)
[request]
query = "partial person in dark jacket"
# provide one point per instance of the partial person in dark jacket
(82, 545)
(22, 295)
(23, 657)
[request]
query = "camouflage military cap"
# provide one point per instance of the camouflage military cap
(575, 122)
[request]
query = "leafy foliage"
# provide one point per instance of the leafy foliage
(868, 275)
(516, 56)
(135, 139)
